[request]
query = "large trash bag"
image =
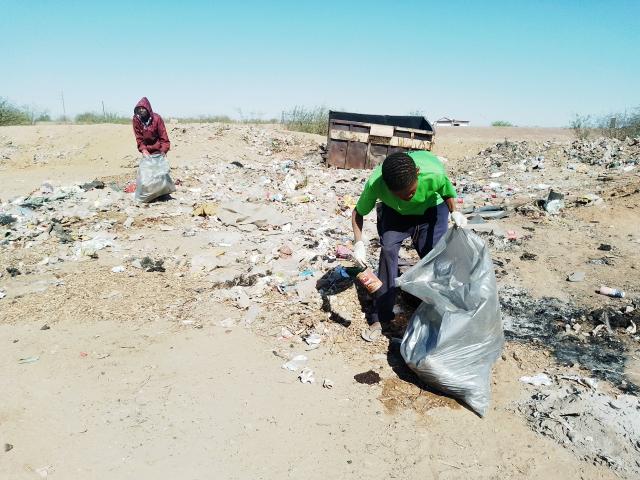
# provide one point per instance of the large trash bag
(456, 334)
(153, 178)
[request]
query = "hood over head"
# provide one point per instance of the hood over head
(144, 102)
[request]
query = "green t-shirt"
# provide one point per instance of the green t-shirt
(433, 187)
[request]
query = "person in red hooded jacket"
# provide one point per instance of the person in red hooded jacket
(149, 130)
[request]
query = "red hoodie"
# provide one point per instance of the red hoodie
(152, 135)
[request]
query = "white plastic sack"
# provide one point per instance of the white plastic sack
(455, 335)
(153, 178)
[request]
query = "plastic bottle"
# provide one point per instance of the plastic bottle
(611, 292)
(367, 278)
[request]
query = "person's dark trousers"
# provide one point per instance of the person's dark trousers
(425, 232)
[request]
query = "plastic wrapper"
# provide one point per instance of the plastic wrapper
(153, 179)
(455, 335)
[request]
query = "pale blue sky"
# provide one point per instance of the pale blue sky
(529, 62)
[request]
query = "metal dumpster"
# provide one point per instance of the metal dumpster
(357, 140)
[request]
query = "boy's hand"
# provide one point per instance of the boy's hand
(145, 153)
(459, 219)
(360, 252)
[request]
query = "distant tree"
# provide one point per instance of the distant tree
(502, 123)
(12, 115)
(581, 126)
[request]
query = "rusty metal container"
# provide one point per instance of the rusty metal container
(357, 140)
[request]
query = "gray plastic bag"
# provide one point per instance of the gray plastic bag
(455, 335)
(153, 178)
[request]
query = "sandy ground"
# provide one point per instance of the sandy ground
(123, 387)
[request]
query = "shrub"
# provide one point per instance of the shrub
(207, 119)
(309, 120)
(502, 123)
(109, 117)
(12, 115)
(621, 125)
(581, 126)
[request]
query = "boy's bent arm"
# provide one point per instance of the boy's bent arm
(357, 222)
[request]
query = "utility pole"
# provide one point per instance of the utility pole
(64, 110)
(104, 114)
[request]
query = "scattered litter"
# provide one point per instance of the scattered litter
(306, 376)
(343, 252)
(32, 359)
(90, 248)
(97, 184)
(576, 277)
(313, 339)
(45, 327)
(296, 363)
(118, 269)
(537, 380)
(554, 203)
(611, 292)
(205, 210)
(527, 256)
(327, 383)
(8, 447)
(150, 265)
(14, 272)
(584, 381)
(596, 427)
(285, 333)
(7, 220)
(227, 323)
(44, 471)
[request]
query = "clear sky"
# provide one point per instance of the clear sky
(528, 62)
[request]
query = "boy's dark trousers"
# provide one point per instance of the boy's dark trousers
(425, 232)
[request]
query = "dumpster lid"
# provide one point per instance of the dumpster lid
(406, 121)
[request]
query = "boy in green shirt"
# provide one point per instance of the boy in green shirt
(416, 198)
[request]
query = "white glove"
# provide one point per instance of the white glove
(459, 219)
(360, 252)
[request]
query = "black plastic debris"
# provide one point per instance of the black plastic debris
(149, 265)
(7, 220)
(97, 184)
(14, 272)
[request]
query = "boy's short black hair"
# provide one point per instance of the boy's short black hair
(399, 171)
